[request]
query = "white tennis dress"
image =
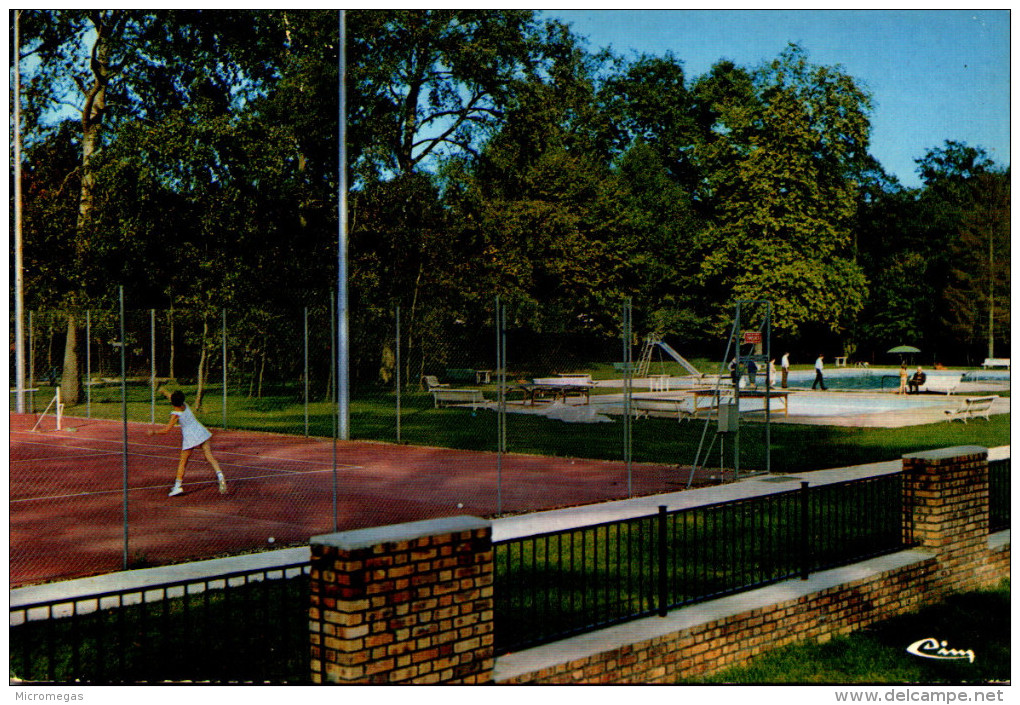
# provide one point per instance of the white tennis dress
(193, 433)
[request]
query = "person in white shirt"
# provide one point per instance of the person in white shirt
(193, 435)
(785, 364)
(819, 381)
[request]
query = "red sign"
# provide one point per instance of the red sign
(752, 337)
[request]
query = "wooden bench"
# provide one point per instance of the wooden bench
(996, 362)
(432, 383)
(446, 396)
(972, 406)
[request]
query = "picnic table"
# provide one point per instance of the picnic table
(715, 397)
(556, 388)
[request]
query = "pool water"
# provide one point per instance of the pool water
(844, 405)
(888, 378)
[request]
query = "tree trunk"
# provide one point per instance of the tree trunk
(70, 382)
(262, 372)
(202, 361)
(91, 124)
(173, 349)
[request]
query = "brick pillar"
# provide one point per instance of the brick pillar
(410, 603)
(946, 503)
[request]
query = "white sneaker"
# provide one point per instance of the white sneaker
(176, 491)
(223, 484)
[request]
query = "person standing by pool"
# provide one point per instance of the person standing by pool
(903, 378)
(786, 368)
(752, 373)
(819, 380)
(735, 372)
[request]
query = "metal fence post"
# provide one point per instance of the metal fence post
(663, 592)
(397, 376)
(805, 530)
(31, 363)
(88, 365)
(501, 403)
(628, 440)
(334, 396)
(306, 370)
(152, 365)
(223, 337)
(124, 425)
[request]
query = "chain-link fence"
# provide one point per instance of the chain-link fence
(500, 385)
(420, 383)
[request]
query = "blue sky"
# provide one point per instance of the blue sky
(933, 74)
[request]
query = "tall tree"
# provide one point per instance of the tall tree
(650, 103)
(977, 294)
(429, 83)
(784, 167)
(118, 65)
(536, 210)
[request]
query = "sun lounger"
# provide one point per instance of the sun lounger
(971, 407)
(996, 362)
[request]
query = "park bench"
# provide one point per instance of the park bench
(971, 407)
(446, 396)
(942, 383)
(996, 362)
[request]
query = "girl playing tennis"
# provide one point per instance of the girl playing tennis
(193, 434)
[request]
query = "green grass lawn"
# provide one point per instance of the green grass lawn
(795, 448)
(977, 621)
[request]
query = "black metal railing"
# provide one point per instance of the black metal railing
(561, 583)
(998, 494)
(242, 627)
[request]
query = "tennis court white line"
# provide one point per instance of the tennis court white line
(166, 484)
(173, 457)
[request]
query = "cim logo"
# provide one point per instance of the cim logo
(933, 648)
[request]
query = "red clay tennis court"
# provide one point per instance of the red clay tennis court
(67, 492)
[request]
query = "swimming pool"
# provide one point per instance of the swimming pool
(838, 404)
(834, 403)
(851, 405)
(887, 378)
